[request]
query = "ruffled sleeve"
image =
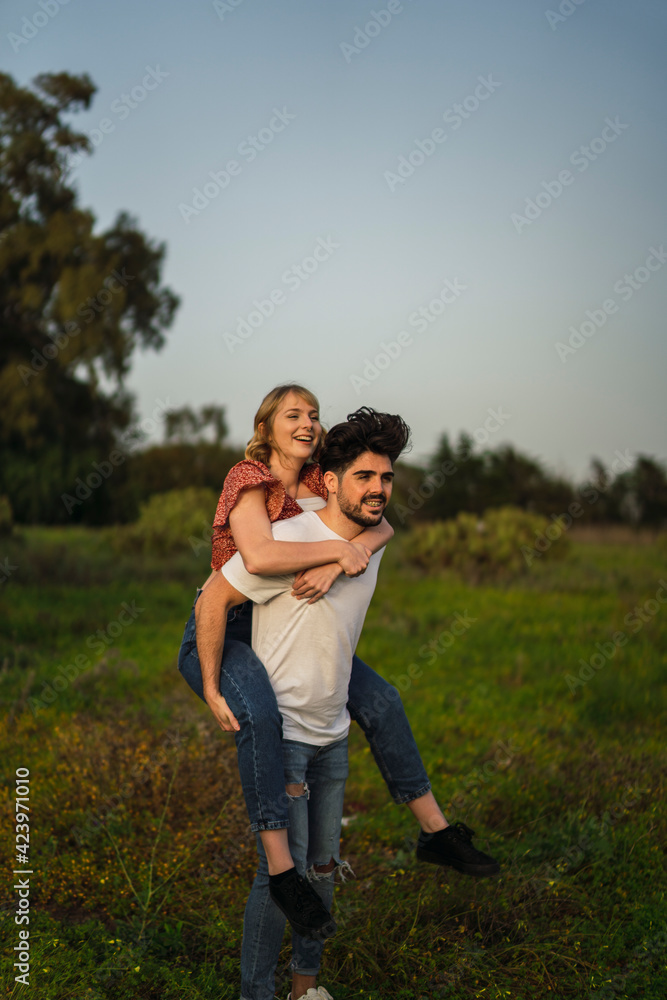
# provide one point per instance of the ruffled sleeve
(243, 476)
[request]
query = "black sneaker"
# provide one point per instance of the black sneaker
(303, 908)
(453, 847)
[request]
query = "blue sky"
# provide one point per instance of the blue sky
(449, 189)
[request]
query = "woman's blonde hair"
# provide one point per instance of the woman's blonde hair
(260, 444)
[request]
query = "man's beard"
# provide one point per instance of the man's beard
(354, 512)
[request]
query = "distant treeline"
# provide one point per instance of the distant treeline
(629, 489)
(76, 305)
(64, 488)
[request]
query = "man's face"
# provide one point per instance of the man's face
(364, 489)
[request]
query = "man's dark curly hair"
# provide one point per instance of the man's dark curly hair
(364, 430)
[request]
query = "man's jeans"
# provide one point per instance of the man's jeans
(244, 683)
(314, 839)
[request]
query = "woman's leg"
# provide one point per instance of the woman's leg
(245, 685)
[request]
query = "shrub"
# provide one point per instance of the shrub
(6, 516)
(170, 522)
(504, 541)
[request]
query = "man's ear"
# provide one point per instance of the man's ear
(331, 482)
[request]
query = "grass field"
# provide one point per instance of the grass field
(542, 726)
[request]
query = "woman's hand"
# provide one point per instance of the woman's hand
(355, 558)
(315, 583)
(222, 712)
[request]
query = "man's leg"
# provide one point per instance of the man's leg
(315, 822)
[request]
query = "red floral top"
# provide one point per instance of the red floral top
(279, 505)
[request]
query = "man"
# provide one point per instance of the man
(307, 651)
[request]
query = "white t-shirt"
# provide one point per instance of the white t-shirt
(307, 649)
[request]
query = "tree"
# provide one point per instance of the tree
(491, 479)
(186, 426)
(640, 494)
(74, 306)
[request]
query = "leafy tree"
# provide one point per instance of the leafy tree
(74, 306)
(486, 479)
(640, 494)
(185, 425)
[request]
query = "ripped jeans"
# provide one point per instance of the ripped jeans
(373, 703)
(314, 839)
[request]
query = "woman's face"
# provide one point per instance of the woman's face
(296, 429)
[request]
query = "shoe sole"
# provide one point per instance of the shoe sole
(327, 930)
(480, 871)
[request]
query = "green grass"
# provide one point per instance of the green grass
(139, 838)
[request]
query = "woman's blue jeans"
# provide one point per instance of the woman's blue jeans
(314, 840)
(373, 703)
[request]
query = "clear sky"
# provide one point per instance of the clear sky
(462, 182)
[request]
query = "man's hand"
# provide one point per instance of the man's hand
(222, 712)
(315, 583)
(354, 560)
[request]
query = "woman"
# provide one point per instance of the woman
(279, 479)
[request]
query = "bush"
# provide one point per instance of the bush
(170, 522)
(500, 543)
(6, 517)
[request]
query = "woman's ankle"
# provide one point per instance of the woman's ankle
(276, 847)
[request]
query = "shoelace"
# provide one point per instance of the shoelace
(462, 831)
